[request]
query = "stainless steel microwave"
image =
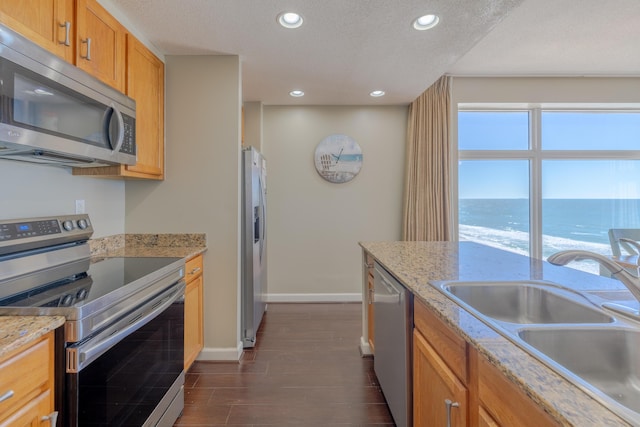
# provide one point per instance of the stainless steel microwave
(54, 113)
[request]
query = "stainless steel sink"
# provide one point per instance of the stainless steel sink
(526, 302)
(568, 331)
(607, 358)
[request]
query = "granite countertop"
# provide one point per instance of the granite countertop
(16, 331)
(149, 245)
(416, 264)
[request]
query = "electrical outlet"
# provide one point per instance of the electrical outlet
(79, 206)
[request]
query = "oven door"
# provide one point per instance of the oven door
(132, 373)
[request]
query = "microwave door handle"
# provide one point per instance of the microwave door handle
(120, 132)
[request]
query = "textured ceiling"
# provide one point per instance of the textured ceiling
(561, 38)
(344, 50)
(347, 48)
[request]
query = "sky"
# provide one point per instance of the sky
(564, 179)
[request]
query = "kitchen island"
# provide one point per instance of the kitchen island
(420, 265)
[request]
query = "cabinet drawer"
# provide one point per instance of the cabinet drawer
(450, 346)
(31, 414)
(27, 373)
(193, 268)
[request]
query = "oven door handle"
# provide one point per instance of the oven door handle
(80, 356)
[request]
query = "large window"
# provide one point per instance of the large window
(538, 181)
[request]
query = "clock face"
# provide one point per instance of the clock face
(338, 158)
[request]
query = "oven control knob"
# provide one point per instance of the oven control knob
(82, 224)
(82, 294)
(67, 225)
(67, 300)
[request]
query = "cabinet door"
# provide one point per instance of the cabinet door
(484, 419)
(517, 410)
(48, 23)
(370, 308)
(100, 44)
(193, 322)
(434, 384)
(145, 84)
(29, 373)
(31, 414)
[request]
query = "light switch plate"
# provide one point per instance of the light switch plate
(79, 206)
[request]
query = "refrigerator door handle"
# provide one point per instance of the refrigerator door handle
(263, 214)
(256, 224)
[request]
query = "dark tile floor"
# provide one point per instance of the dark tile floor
(306, 371)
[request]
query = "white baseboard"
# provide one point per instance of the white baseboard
(365, 348)
(220, 354)
(314, 297)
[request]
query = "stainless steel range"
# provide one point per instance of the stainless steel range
(121, 355)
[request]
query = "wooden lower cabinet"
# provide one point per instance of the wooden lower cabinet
(504, 402)
(32, 413)
(438, 395)
(484, 419)
(446, 368)
(29, 374)
(370, 305)
(193, 311)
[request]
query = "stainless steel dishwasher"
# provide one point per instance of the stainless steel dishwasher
(393, 307)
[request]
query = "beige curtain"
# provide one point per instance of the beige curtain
(426, 194)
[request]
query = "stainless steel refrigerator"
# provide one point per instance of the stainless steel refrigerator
(254, 254)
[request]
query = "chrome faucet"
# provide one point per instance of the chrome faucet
(629, 280)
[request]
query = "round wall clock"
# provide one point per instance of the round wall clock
(338, 158)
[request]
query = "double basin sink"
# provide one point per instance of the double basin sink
(571, 333)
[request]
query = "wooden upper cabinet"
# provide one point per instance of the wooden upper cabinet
(145, 84)
(100, 44)
(48, 23)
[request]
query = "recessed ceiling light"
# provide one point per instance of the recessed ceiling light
(290, 19)
(426, 22)
(377, 93)
(296, 93)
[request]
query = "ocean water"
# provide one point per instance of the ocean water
(566, 224)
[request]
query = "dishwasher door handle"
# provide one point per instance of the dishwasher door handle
(392, 291)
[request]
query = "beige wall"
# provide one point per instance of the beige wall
(30, 190)
(541, 90)
(253, 125)
(313, 226)
(201, 192)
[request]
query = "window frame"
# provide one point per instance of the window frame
(534, 155)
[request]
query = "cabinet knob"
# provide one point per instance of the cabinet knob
(6, 396)
(87, 41)
(67, 28)
(449, 404)
(195, 270)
